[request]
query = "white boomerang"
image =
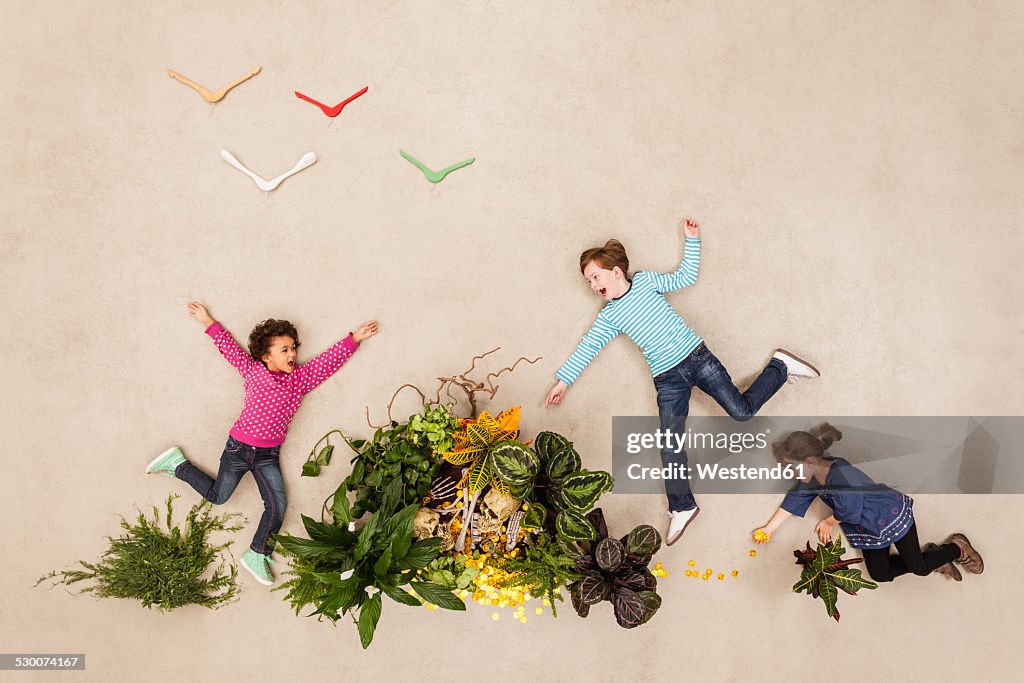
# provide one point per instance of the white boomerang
(307, 160)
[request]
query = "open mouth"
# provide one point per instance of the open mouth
(603, 291)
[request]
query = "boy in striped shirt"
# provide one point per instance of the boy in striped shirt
(678, 358)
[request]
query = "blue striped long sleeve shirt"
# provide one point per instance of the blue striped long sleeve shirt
(643, 315)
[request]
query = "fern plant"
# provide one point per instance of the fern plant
(544, 569)
(165, 569)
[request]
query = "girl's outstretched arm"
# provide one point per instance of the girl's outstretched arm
(686, 274)
(774, 523)
(312, 374)
(223, 340)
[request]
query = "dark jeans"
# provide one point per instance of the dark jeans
(237, 459)
(703, 370)
(885, 567)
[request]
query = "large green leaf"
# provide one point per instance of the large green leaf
(400, 524)
(328, 534)
(399, 595)
(514, 463)
(303, 547)
(480, 474)
(535, 517)
(643, 540)
(310, 468)
(392, 495)
(573, 526)
(340, 508)
(438, 595)
(562, 463)
(420, 554)
(366, 535)
(850, 580)
(581, 490)
(547, 443)
(829, 595)
(383, 563)
(324, 457)
(808, 577)
(369, 614)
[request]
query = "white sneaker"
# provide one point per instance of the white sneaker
(678, 521)
(795, 367)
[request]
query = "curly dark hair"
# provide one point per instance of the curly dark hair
(264, 333)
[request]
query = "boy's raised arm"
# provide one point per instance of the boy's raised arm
(686, 274)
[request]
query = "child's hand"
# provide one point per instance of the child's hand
(824, 530)
(691, 228)
(199, 312)
(365, 331)
(556, 394)
(761, 535)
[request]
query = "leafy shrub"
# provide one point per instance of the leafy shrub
(163, 569)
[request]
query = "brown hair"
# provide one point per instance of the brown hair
(798, 446)
(609, 256)
(263, 334)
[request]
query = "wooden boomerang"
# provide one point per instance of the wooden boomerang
(336, 109)
(216, 96)
(307, 160)
(436, 176)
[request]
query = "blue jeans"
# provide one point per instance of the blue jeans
(237, 459)
(703, 370)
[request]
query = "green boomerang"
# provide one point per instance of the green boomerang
(436, 176)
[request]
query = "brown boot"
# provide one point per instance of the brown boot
(969, 557)
(948, 569)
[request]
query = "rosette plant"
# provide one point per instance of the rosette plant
(825, 573)
(616, 570)
(474, 443)
(550, 478)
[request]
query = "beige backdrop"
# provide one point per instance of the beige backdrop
(857, 169)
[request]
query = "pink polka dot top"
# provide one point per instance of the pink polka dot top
(271, 398)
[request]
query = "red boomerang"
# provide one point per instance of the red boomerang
(336, 109)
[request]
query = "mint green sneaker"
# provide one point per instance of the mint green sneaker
(258, 565)
(166, 462)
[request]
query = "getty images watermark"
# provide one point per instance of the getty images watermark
(913, 454)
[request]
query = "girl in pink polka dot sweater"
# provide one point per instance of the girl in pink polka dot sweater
(274, 387)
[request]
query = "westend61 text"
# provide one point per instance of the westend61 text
(667, 440)
(715, 471)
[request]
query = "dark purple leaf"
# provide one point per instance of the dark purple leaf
(596, 517)
(629, 608)
(608, 555)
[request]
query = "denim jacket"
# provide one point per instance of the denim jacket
(871, 515)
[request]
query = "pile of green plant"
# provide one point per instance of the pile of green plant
(616, 570)
(337, 571)
(163, 568)
(825, 573)
(550, 478)
(544, 568)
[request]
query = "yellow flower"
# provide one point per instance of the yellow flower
(526, 506)
(546, 602)
(495, 616)
(688, 572)
(735, 572)
(692, 563)
(721, 577)
(539, 610)
(705, 577)
(657, 565)
(753, 553)
(522, 620)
